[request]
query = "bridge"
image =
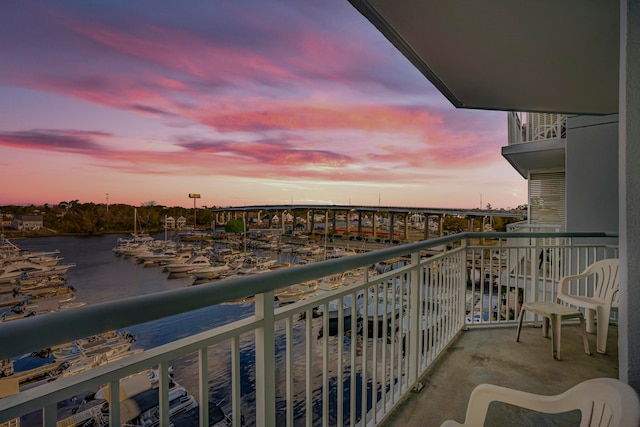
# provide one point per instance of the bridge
(369, 221)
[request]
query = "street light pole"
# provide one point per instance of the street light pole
(194, 196)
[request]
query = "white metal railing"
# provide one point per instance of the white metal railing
(352, 365)
(528, 127)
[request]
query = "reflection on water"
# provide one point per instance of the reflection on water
(101, 276)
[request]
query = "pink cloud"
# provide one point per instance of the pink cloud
(307, 107)
(54, 140)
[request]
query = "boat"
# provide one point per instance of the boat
(210, 271)
(85, 363)
(110, 343)
(192, 263)
(333, 306)
(48, 259)
(297, 292)
(139, 405)
(143, 410)
(224, 254)
(27, 270)
(340, 252)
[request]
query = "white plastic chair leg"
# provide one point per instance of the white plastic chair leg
(603, 329)
(589, 315)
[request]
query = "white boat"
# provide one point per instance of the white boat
(192, 263)
(331, 282)
(139, 405)
(297, 292)
(224, 254)
(110, 343)
(333, 307)
(211, 271)
(340, 252)
(29, 270)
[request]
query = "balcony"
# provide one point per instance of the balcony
(436, 316)
(536, 141)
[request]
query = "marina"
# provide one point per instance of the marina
(122, 274)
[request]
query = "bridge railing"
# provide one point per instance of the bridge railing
(385, 317)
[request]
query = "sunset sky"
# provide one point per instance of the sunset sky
(242, 101)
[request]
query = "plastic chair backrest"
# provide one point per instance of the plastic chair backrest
(601, 402)
(606, 402)
(607, 278)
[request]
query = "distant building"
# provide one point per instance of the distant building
(5, 220)
(171, 222)
(28, 222)
(181, 223)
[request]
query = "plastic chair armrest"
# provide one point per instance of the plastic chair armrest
(563, 285)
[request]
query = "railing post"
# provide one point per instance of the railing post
(265, 361)
(50, 415)
(533, 296)
(461, 284)
(414, 319)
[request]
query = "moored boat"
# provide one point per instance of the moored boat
(27, 270)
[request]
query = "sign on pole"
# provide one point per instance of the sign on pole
(194, 196)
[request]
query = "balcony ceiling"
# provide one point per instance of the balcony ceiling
(537, 155)
(544, 55)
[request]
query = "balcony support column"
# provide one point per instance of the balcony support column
(629, 197)
(50, 415)
(374, 226)
(333, 226)
(265, 361)
(312, 227)
(406, 227)
(426, 226)
(391, 227)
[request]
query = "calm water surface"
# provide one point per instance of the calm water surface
(100, 276)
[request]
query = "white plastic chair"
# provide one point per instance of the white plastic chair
(606, 288)
(601, 402)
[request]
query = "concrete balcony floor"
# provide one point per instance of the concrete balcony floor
(491, 355)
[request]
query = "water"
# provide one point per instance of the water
(100, 276)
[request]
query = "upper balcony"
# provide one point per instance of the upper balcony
(536, 141)
(437, 316)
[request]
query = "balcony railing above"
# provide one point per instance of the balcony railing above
(385, 317)
(529, 127)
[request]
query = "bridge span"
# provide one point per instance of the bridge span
(377, 222)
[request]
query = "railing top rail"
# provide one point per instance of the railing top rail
(27, 334)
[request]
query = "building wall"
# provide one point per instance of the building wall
(592, 173)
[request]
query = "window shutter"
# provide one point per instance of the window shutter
(547, 201)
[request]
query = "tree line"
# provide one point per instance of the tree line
(73, 217)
